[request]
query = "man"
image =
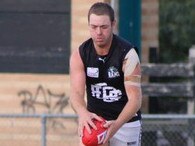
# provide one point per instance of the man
(109, 68)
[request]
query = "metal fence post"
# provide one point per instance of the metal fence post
(191, 102)
(43, 130)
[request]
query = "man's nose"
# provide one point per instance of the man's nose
(99, 30)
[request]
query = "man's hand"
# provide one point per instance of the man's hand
(85, 120)
(112, 129)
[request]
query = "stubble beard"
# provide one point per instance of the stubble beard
(104, 44)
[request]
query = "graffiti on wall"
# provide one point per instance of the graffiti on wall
(46, 100)
(52, 102)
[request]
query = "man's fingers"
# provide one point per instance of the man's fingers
(107, 124)
(89, 123)
(97, 117)
(92, 124)
(87, 128)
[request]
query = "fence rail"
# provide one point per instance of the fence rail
(184, 87)
(171, 80)
(171, 70)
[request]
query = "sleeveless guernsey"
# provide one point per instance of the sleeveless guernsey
(106, 95)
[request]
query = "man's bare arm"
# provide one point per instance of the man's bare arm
(77, 93)
(77, 83)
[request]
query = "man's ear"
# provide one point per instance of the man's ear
(113, 23)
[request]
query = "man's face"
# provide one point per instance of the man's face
(101, 29)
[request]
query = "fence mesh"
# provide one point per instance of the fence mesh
(171, 131)
(38, 130)
(20, 132)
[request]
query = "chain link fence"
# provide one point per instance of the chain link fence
(168, 130)
(38, 130)
(61, 130)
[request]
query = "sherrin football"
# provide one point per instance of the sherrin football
(97, 136)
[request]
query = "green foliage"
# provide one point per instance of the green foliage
(177, 29)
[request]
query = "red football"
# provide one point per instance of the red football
(97, 136)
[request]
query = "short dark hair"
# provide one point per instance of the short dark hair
(101, 8)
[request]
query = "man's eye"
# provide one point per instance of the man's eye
(93, 27)
(104, 27)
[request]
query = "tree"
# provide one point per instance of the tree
(177, 33)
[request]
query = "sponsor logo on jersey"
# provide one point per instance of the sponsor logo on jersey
(92, 72)
(105, 92)
(113, 72)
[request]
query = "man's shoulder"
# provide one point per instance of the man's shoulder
(85, 48)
